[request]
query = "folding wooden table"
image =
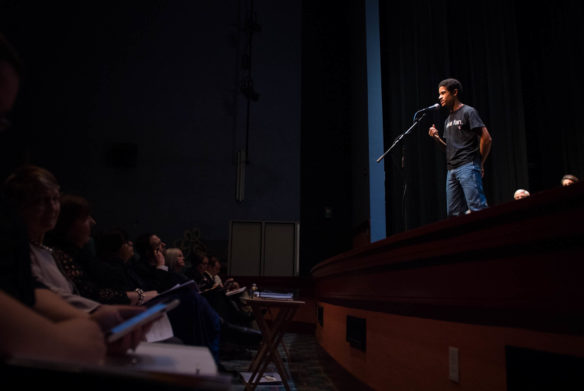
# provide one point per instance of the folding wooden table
(272, 336)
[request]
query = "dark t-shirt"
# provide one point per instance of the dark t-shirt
(462, 130)
(157, 279)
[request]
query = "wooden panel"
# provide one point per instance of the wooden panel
(268, 248)
(408, 353)
(245, 248)
(279, 249)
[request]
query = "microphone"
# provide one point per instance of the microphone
(429, 108)
(433, 107)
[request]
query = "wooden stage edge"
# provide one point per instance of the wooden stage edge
(487, 301)
(519, 264)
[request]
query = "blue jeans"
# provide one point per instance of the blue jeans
(464, 189)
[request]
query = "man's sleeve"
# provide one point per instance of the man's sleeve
(474, 121)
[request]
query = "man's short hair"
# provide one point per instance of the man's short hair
(142, 245)
(451, 85)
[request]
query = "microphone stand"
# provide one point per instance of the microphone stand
(398, 138)
(395, 142)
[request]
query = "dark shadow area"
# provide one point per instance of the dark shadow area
(529, 369)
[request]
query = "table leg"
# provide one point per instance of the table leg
(268, 351)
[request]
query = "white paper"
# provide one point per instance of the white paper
(160, 330)
(167, 358)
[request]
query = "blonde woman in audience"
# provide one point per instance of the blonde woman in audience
(175, 260)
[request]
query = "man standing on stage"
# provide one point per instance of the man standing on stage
(467, 143)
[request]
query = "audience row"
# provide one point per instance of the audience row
(93, 273)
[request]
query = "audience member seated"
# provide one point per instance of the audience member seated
(569, 179)
(198, 271)
(32, 193)
(151, 264)
(175, 260)
(230, 286)
(520, 194)
(215, 269)
(206, 271)
(115, 252)
(230, 307)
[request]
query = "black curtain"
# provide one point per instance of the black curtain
(552, 48)
(507, 61)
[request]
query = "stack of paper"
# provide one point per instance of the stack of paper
(169, 358)
(276, 295)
